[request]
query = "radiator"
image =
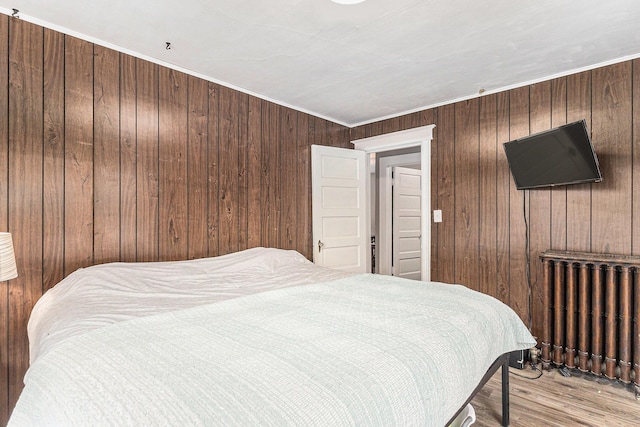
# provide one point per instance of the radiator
(591, 311)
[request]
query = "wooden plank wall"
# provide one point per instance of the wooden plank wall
(105, 157)
(482, 239)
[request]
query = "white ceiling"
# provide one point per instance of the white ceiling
(355, 64)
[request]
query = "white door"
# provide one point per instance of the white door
(407, 226)
(339, 203)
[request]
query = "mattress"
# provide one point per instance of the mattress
(336, 349)
(101, 295)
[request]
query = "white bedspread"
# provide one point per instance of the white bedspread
(101, 295)
(362, 350)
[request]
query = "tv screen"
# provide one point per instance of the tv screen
(560, 156)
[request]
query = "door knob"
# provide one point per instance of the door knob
(320, 245)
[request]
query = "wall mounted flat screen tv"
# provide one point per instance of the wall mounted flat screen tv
(560, 156)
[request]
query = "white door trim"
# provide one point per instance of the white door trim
(415, 137)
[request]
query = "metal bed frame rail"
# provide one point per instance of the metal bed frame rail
(502, 361)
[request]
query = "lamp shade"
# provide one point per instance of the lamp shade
(8, 268)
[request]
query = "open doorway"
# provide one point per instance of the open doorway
(416, 144)
(341, 195)
(396, 212)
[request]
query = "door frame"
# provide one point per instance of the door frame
(416, 137)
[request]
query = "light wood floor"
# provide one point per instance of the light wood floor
(554, 401)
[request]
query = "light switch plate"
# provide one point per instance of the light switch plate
(437, 215)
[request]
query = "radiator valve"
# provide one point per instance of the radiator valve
(534, 353)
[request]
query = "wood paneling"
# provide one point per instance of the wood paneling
(446, 194)
(487, 193)
(275, 175)
(579, 198)
(503, 190)
(635, 123)
(128, 142)
(611, 200)
(243, 190)
(197, 168)
(519, 108)
(106, 157)
(25, 179)
(303, 186)
(271, 169)
(229, 194)
(539, 208)
(213, 169)
(482, 239)
(146, 197)
(78, 171)
(254, 171)
(289, 161)
(5, 361)
(172, 152)
(559, 194)
(466, 199)
(53, 166)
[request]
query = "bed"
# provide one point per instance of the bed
(258, 337)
